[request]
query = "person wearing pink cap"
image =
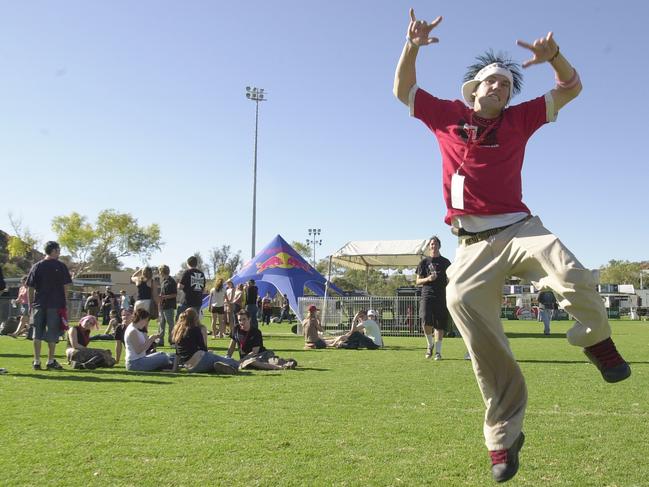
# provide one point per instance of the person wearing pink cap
(78, 353)
(482, 141)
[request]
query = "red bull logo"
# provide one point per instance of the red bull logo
(283, 260)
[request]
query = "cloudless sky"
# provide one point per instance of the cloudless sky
(141, 107)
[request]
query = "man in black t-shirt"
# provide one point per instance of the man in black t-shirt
(192, 283)
(431, 276)
(546, 308)
(168, 293)
(250, 343)
(245, 338)
(252, 294)
(48, 280)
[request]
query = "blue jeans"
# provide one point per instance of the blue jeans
(166, 317)
(154, 361)
(206, 364)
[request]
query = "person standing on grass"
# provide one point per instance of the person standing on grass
(546, 309)
(228, 305)
(168, 293)
(252, 293)
(266, 309)
(431, 276)
(286, 310)
(483, 145)
(48, 280)
(192, 284)
(216, 305)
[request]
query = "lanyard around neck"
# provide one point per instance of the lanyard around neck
(472, 139)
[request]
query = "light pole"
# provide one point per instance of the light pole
(256, 95)
(313, 240)
(643, 271)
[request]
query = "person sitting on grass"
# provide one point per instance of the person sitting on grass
(250, 343)
(364, 333)
(312, 329)
(22, 302)
(112, 324)
(190, 338)
(78, 353)
(137, 344)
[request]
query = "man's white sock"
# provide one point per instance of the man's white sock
(438, 347)
(429, 339)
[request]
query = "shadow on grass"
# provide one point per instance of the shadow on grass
(534, 335)
(16, 355)
(83, 378)
(570, 362)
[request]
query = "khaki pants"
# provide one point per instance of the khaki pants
(474, 293)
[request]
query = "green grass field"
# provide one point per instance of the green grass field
(344, 417)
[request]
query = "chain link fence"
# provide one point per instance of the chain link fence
(397, 315)
(8, 308)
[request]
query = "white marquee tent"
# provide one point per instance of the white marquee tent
(389, 254)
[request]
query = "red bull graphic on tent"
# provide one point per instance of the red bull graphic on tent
(279, 268)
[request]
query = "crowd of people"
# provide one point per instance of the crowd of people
(42, 298)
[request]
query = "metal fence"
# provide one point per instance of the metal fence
(397, 315)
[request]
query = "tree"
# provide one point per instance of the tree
(379, 282)
(303, 249)
(113, 236)
(223, 262)
(622, 272)
(21, 246)
(105, 262)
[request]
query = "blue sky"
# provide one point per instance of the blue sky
(140, 106)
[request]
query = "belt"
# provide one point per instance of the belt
(469, 238)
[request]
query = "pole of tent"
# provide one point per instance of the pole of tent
(367, 278)
(324, 306)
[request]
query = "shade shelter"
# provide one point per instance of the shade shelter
(387, 254)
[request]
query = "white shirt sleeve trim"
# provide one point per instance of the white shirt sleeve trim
(550, 113)
(411, 99)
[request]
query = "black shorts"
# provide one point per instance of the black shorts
(433, 313)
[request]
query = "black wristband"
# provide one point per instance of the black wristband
(555, 55)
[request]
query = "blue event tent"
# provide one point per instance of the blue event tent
(278, 267)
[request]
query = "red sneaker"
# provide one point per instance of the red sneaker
(607, 359)
(504, 463)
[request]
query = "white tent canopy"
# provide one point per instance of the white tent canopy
(389, 254)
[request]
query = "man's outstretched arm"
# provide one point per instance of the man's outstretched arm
(406, 75)
(568, 83)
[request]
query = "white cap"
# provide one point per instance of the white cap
(372, 313)
(469, 87)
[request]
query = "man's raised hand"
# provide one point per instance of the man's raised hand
(419, 30)
(543, 50)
